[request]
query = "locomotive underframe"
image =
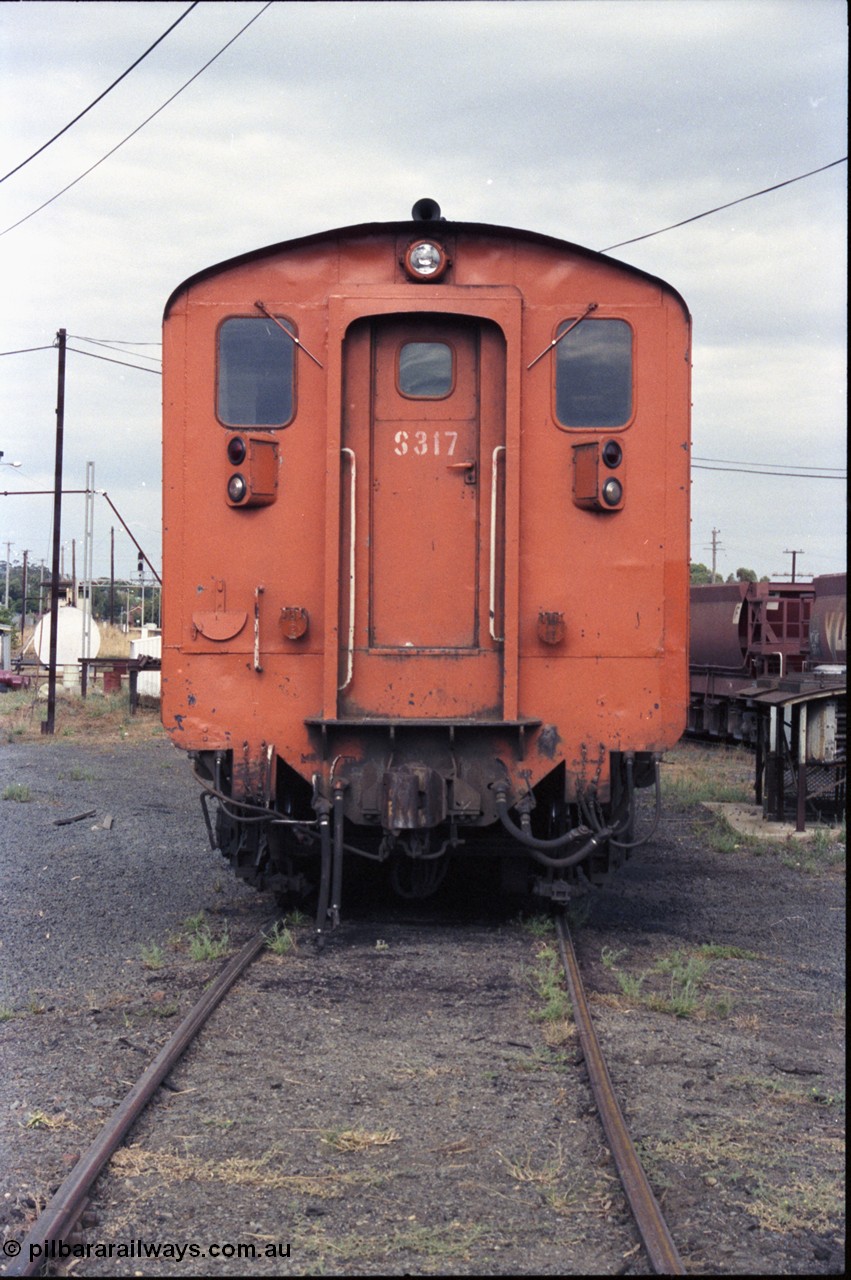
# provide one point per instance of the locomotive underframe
(414, 802)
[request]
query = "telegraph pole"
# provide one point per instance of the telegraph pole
(716, 547)
(112, 576)
(794, 555)
(48, 725)
(24, 598)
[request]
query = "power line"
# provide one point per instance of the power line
(139, 128)
(93, 355)
(697, 216)
(116, 344)
(789, 475)
(789, 466)
(52, 347)
(101, 96)
(22, 350)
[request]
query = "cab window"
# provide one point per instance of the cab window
(593, 369)
(255, 373)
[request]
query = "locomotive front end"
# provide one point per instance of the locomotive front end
(426, 551)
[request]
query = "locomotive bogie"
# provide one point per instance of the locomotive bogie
(426, 545)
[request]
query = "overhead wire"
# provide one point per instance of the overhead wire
(697, 216)
(790, 466)
(109, 360)
(22, 350)
(117, 344)
(789, 475)
(101, 96)
(141, 126)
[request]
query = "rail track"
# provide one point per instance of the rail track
(67, 1204)
(652, 1227)
(64, 1210)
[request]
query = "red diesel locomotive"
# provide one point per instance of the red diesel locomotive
(426, 543)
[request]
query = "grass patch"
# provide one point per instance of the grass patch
(349, 1140)
(204, 946)
(98, 718)
(537, 926)
(281, 941)
(42, 1120)
(18, 791)
(165, 1010)
(553, 1007)
(822, 850)
(447, 1244)
(781, 1093)
(199, 939)
(743, 1163)
(436, 1242)
(547, 980)
(675, 983)
(153, 956)
(81, 775)
(693, 774)
(264, 1173)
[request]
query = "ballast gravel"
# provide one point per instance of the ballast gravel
(403, 1103)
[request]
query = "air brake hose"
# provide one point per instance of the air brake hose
(634, 844)
(539, 847)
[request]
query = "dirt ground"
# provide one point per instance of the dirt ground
(410, 1100)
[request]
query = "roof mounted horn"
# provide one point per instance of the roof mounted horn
(426, 211)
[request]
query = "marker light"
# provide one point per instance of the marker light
(612, 454)
(236, 450)
(425, 260)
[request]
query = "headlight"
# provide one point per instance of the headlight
(612, 492)
(425, 260)
(237, 488)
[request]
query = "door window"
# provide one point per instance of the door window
(425, 370)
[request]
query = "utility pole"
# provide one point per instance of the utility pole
(716, 547)
(8, 554)
(48, 725)
(24, 598)
(88, 547)
(794, 555)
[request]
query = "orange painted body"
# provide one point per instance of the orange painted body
(426, 559)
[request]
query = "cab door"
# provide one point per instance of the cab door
(422, 435)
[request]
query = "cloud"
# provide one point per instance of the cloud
(594, 122)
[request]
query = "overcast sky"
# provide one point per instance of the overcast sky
(592, 120)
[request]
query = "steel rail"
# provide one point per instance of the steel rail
(652, 1227)
(67, 1204)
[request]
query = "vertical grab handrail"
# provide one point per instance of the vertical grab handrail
(350, 647)
(500, 448)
